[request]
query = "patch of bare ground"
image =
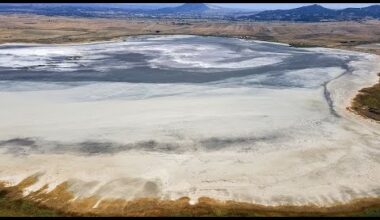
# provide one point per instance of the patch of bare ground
(61, 202)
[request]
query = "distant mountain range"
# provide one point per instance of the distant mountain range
(185, 8)
(312, 13)
(80, 10)
(196, 10)
(315, 13)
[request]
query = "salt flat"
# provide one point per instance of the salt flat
(189, 116)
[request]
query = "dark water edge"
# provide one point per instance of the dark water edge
(142, 73)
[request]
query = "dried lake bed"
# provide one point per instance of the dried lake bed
(187, 116)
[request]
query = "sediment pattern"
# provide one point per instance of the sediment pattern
(156, 126)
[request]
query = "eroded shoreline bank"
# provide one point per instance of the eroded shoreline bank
(61, 202)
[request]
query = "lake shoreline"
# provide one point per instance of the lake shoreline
(366, 102)
(207, 206)
(356, 107)
(61, 202)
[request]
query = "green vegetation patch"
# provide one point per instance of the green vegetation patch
(367, 102)
(21, 207)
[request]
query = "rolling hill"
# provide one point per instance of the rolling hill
(317, 13)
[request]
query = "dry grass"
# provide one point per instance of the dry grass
(60, 202)
(44, 29)
(13, 204)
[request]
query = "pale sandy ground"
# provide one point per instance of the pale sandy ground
(320, 160)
